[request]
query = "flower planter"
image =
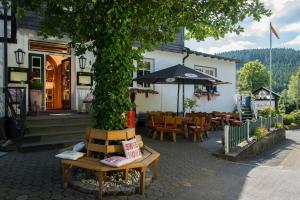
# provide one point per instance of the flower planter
(111, 140)
(35, 101)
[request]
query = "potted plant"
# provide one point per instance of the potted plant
(190, 104)
(35, 93)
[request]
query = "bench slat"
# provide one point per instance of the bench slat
(98, 134)
(96, 147)
(114, 148)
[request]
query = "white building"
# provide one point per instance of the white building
(56, 66)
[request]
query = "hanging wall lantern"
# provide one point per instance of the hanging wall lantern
(19, 54)
(82, 62)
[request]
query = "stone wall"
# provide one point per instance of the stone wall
(258, 147)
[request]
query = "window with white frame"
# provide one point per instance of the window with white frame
(144, 67)
(206, 70)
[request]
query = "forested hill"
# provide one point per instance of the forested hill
(285, 62)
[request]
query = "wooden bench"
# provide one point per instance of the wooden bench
(93, 164)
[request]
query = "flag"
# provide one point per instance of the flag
(274, 31)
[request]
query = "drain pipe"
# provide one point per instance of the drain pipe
(188, 52)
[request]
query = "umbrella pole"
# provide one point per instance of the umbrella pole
(177, 98)
(183, 109)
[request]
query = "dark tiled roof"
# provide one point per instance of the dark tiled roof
(266, 89)
(30, 21)
(197, 53)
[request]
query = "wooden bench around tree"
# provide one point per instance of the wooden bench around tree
(93, 164)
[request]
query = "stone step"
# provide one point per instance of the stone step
(36, 146)
(246, 113)
(50, 120)
(56, 127)
(57, 112)
(249, 110)
(53, 136)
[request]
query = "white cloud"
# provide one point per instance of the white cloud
(221, 46)
(293, 42)
(278, 8)
(256, 34)
(294, 27)
(257, 28)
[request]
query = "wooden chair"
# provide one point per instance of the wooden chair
(156, 124)
(235, 120)
(171, 125)
(169, 113)
(198, 128)
(208, 125)
(219, 123)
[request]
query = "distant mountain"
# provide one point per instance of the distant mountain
(285, 62)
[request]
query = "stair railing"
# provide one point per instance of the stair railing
(15, 98)
(238, 105)
(254, 109)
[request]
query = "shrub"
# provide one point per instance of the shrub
(190, 104)
(260, 133)
(294, 117)
(278, 125)
(267, 112)
(288, 119)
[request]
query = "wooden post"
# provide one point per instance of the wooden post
(100, 180)
(155, 165)
(126, 174)
(142, 179)
(65, 169)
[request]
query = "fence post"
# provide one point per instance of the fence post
(261, 123)
(248, 129)
(226, 139)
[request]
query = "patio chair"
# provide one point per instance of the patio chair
(208, 124)
(172, 125)
(156, 124)
(218, 121)
(198, 128)
(235, 120)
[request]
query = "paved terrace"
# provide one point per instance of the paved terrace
(187, 171)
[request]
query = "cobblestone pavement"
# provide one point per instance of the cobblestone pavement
(187, 171)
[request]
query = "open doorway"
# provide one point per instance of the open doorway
(58, 82)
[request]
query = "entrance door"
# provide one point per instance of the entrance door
(66, 83)
(36, 69)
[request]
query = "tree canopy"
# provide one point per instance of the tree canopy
(109, 28)
(285, 62)
(253, 76)
(294, 84)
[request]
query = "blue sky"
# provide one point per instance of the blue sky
(285, 18)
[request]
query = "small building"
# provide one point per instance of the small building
(262, 98)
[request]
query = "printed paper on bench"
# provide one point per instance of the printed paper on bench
(132, 149)
(71, 155)
(116, 161)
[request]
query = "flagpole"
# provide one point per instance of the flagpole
(270, 98)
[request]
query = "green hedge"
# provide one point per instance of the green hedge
(267, 112)
(293, 117)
